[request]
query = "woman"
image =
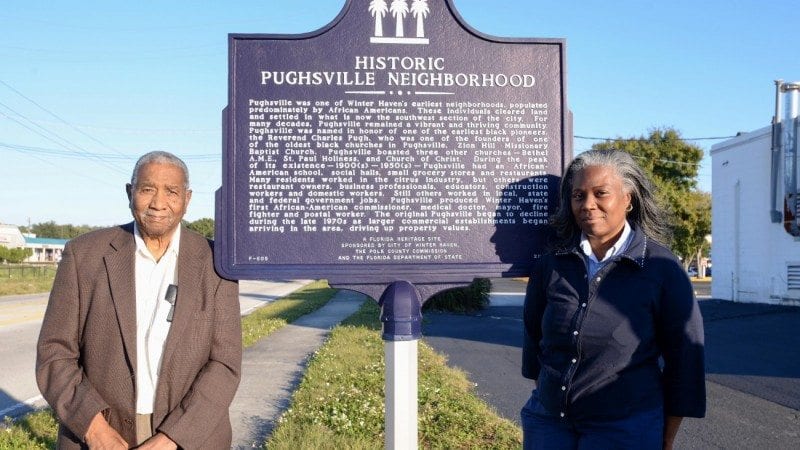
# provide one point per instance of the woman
(601, 310)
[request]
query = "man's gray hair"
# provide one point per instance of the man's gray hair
(160, 157)
(647, 216)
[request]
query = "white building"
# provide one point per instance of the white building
(10, 236)
(755, 250)
(44, 250)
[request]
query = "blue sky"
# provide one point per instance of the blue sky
(86, 87)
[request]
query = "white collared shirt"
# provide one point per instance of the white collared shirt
(621, 244)
(152, 279)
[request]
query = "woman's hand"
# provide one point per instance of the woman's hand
(671, 426)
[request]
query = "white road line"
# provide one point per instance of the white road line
(29, 402)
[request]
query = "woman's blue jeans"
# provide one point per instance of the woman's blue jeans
(541, 430)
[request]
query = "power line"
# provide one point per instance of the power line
(77, 149)
(108, 28)
(60, 167)
(711, 138)
(166, 51)
(659, 160)
(50, 135)
(59, 118)
(667, 161)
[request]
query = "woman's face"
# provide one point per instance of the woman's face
(598, 203)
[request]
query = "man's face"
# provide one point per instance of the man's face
(159, 199)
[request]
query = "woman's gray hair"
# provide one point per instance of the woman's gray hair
(646, 216)
(159, 157)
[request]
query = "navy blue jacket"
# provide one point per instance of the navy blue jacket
(594, 345)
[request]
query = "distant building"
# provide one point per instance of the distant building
(10, 236)
(756, 247)
(44, 249)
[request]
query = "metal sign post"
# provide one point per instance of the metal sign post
(402, 328)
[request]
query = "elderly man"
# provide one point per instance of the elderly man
(141, 341)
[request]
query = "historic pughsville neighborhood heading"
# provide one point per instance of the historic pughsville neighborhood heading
(398, 71)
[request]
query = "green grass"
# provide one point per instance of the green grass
(271, 317)
(17, 279)
(37, 430)
(340, 402)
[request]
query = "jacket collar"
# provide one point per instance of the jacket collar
(636, 251)
(120, 268)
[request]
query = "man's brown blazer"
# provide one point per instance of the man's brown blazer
(86, 355)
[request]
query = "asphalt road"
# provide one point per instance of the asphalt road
(20, 322)
(752, 367)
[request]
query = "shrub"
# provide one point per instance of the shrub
(37, 430)
(466, 299)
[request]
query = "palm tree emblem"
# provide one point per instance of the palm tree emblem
(378, 9)
(399, 9)
(420, 10)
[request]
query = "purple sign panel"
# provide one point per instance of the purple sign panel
(395, 143)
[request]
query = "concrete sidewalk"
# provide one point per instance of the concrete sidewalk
(254, 294)
(273, 367)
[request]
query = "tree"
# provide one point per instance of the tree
(672, 165)
(14, 255)
(691, 233)
(204, 226)
(53, 230)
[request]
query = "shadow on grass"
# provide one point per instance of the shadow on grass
(265, 320)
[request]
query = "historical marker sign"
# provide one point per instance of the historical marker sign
(396, 143)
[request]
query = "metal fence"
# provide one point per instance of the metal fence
(25, 271)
